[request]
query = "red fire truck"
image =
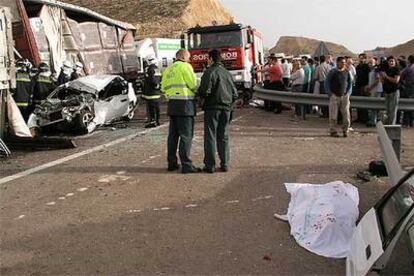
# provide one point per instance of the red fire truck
(241, 48)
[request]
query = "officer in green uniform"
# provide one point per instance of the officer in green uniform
(179, 85)
(24, 87)
(218, 94)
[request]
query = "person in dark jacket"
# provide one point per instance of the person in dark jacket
(77, 71)
(65, 74)
(219, 93)
(361, 82)
(338, 86)
(152, 93)
(407, 83)
(43, 84)
(24, 87)
(390, 79)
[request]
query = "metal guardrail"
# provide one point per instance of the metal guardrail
(323, 100)
(395, 172)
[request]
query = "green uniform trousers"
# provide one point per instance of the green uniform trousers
(216, 136)
(180, 136)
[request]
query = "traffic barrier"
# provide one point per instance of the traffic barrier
(389, 151)
(323, 100)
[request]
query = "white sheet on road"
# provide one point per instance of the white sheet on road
(323, 217)
(17, 123)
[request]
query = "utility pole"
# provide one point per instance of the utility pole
(7, 68)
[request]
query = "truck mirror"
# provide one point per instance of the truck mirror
(249, 38)
(183, 40)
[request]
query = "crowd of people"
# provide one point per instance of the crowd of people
(339, 78)
(34, 84)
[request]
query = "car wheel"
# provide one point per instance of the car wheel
(131, 114)
(83, 120)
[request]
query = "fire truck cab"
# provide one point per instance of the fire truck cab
(241, 49)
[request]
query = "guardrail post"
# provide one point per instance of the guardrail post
(394, 133)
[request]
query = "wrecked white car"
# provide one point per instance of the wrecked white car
(86, 103)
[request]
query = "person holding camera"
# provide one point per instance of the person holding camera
(374, 88)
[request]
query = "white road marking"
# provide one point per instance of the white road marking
(134, 211)
(75, 156)
(20, 217)
(191, 206)
(165, 208)
(62, 198)
(232, 202)
(82, 189)
(70, 194)
(304, 139)
(83, 153)
(262, 198)
(51, 203)
(113, 177)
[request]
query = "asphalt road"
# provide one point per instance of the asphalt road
(117, 211)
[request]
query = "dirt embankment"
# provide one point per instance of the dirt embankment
(405, 49)
(160, 18)
(293, 45)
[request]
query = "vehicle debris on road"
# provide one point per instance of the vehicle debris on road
(86, 103)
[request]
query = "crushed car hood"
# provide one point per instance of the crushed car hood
(91, 84)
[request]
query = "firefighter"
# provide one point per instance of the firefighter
(77, 72)
(152, 93)
(179, 85)
(65, 73)
(24, 87)
(43, 84)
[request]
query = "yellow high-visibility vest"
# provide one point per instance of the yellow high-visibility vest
(179, 82)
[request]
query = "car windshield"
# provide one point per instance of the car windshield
(397, 207)
(62, 92)
(215, 40)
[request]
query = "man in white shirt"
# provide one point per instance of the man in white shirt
(374, 89)
(286, 72)
(321, 72)
(351, 68)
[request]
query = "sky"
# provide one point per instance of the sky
(357, 24)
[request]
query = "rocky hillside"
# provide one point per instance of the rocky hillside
(160, 18)
(293, 45)
(405, 49)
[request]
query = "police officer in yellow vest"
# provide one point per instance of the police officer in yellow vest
(24, 87)
(43, 84)
(179, 84)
